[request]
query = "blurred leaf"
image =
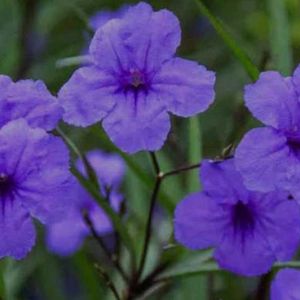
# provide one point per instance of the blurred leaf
(15, 274)
(88, 276)
(72, 61)
(49, 276)
(195, 264)
(195, 153)
(280, 36)
(238, 52)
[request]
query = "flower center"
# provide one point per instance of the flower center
(243, 217)
(293, 143)
(6, 184)
(137, 79)
(134, 80)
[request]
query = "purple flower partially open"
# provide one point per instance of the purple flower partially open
(66, 236)
(135, 80)
(269, 157)
(35, 182)
(30, 100)
(286, 285)
(249, 230)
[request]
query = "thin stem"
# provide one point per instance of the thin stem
(155, 162)
(99, 240)
(158, 180)
(108, 281)
(149, 224)
(180, 170)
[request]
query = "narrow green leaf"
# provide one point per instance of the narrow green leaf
(197, 263)
(88, 168)
(88, 276)
(72, 61)
(195, 153)
(288, 264)
(279, 36)
(233, 45)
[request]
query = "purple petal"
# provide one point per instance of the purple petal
(296, 81)
(185, 87)
(66, 237)
(29, 100)
(282, 225)
(39, 164)
(286, 285)
(110, 168)
(88, 96)
(136, 41)
(250, 256)
(138, 122)
(17, 231)
(263, 158)
(199, 222)
(100, 220)
(222, 181)
(272, 100)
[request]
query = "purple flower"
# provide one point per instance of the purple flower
(34, 183)
(249, 230)
(269, 157)
(135, 80)
(30, 100)
(101, 17)
(65, 237)
(286, 285)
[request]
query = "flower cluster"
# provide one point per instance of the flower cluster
(248, 210)
(34, 166)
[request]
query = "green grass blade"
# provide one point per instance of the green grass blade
(237, 51)
(279, 36)
(195, 153)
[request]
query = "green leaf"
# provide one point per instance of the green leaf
(195, 153)
(279, 36)
(72, 61)
(197, 263)
(233, 45)
(88, 276)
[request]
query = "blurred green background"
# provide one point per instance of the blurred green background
(35, 35)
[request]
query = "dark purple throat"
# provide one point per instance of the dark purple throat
(243, 218)
(6, 185)
(293, 143)
(135, 81)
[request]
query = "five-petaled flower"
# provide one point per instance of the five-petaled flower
(269, 157)
(66, 236)
(35, 182)
(286, 285)
(249, 230)
(135, 80)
